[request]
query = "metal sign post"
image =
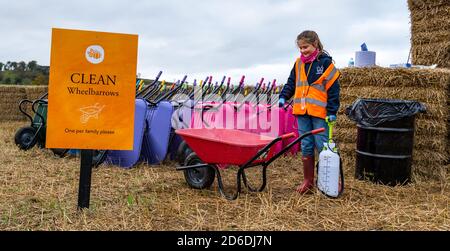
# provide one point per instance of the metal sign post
(84, 188)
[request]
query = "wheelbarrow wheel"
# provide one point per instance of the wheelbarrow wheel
(25, 138)
(188, 151)
(198, 178)
(182, 152)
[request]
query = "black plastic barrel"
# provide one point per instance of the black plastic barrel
(384, 152)
(385, 139)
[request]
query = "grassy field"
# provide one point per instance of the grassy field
(39, 191)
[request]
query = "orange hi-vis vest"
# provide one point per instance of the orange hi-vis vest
(312, 98)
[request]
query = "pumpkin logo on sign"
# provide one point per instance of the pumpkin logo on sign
(95, 54)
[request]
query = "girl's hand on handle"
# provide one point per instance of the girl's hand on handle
(330, 118)
(281, 102)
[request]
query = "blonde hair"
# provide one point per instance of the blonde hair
(311, 37)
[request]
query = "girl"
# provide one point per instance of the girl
(314, 84)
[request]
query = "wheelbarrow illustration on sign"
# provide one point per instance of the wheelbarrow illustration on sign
(90, 112)
(218, 149)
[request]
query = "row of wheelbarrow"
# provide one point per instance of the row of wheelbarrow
(191, 124)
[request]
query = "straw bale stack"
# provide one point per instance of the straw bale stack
(430, 87)
(10, 97)
(35, 92)
(430, 28)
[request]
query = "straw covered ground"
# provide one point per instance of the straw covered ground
(39, 192)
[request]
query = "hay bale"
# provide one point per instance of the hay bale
(10, 88)
(426, 3)
(430, 32)
(433, 22)
(432, 143)
(424, 95)
(348, 157)
(436, 112)
(440, 53)
(398, 78)
(10, 96)
(433, 9)
(35, 92)
(429, 37)
(12, 117)
(343, 121)
(429, 127)
(345, 135)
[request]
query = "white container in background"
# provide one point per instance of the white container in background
(365, 58)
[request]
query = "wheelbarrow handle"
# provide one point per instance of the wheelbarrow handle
(167, 94)
(22, 102)
(288, 104)
(241, 83)
(33, 108)
(144, 91)
(223, 80)
(45, 95)
(205, 82)
(159, 75)
(261, 81)
(288, 135)
(284, 150)
(316, 131)
(261, 152)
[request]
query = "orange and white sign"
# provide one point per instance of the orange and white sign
(91, 90)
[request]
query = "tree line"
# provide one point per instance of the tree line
(22, 73)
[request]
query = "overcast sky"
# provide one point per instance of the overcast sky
(255, 38)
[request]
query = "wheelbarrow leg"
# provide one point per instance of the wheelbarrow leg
(264, 180)
(220, 184)
(240, 173)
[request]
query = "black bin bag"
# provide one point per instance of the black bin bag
(372, 112)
